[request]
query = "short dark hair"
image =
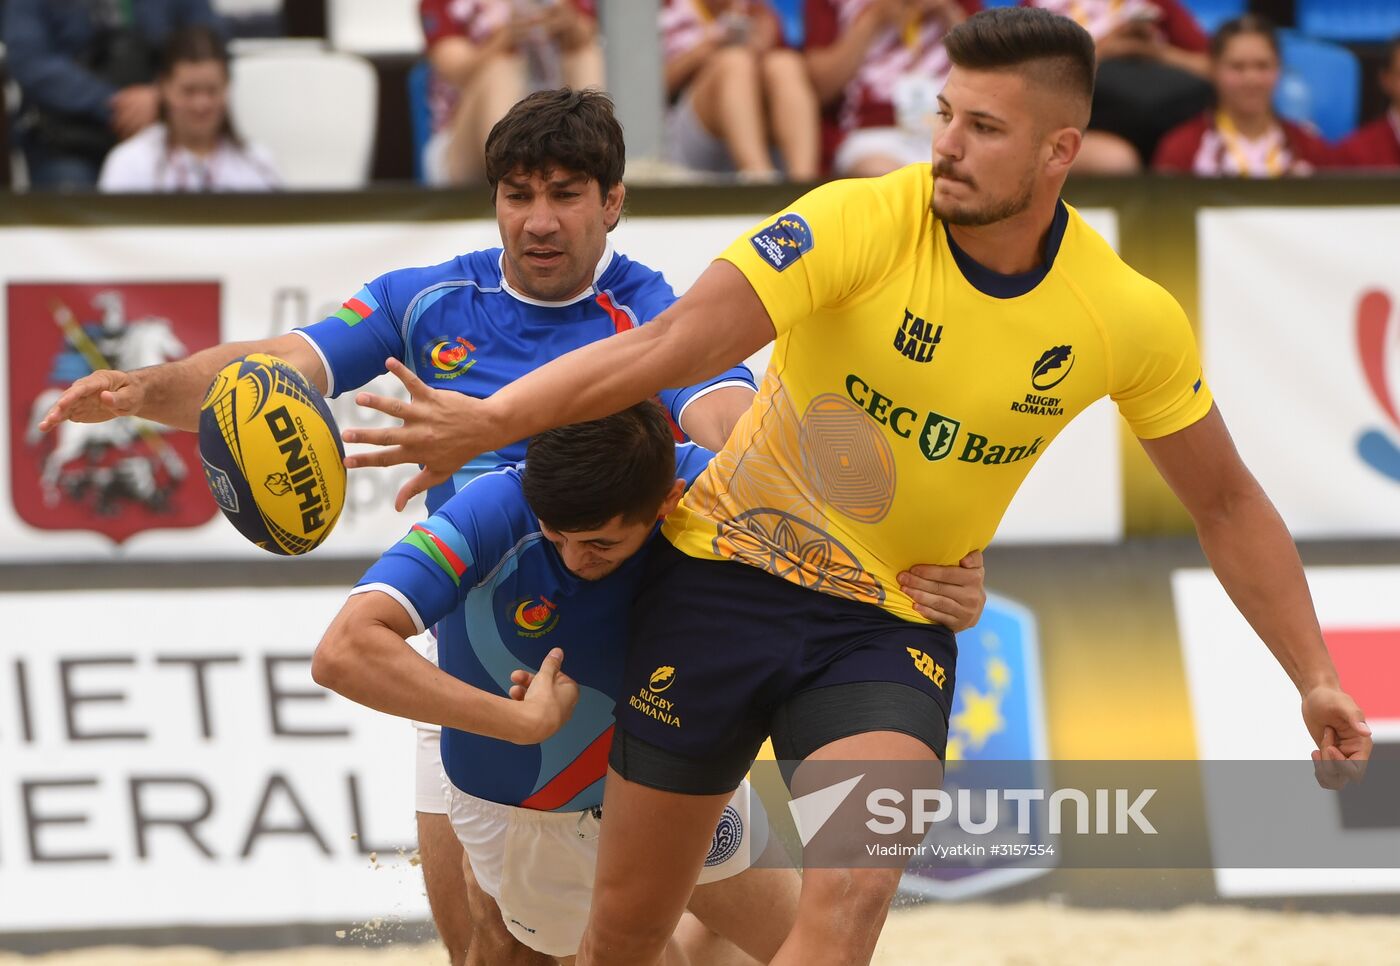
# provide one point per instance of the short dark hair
(563, 128)
(1250, 23)
(580, 477)
(1009, 37)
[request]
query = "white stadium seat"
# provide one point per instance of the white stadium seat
(315, 111)
(374, 26)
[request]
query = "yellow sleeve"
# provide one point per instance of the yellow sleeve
(836, 240)
(1158, 383)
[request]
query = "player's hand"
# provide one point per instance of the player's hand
(952, 596)
(1343, 738)
(96, 398)
(547, 698)
(436, 432)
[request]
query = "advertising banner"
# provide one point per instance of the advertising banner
(1246, 710)
(78, 298)
(162, 764)
(1302, 350)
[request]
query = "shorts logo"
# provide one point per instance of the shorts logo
(662, 678)
(450, 358)
(535, 616)
(929, 668)
(936, 440)
(784, 241)
(729, 835)
(917, 339)
(1052, 367)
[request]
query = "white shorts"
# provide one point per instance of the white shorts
(538, 866)
(428, 777)
(888, 142)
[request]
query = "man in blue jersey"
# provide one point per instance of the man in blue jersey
(524, 565)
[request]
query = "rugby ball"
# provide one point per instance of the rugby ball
(272, 454)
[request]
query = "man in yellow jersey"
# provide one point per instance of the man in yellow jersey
(936, 329)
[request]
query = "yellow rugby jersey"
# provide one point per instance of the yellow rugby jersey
(911, 390)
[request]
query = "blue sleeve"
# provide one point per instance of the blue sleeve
(691, 460)
(50, 77)
(675, 400)
(354, 341)
(433, 568)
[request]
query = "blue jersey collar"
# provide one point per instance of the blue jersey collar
(603, 265)
(1002, 286)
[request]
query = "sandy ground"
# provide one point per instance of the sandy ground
(1029, 934)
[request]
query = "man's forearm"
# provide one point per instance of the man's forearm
(1257, 562)
(372, 665)
(717, 324)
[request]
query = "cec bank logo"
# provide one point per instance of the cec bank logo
(784, 241)
(1378, 343)
(936, 441)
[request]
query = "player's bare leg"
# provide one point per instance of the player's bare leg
(492, 944)
(651, 848)
(745, 918)
(842, 910)
(441, 855)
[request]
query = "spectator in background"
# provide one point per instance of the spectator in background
(1243, 137)
(1153, 74)
(488, 54)
(879, 65)
(85, 68)
(1377, 145)
(736, 91)
(193, 147)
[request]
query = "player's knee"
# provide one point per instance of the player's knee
(850, 896)
(614, 938)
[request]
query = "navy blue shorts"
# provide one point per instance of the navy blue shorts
(723, 654)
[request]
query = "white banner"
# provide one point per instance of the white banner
(169, 764)
(1246, 709)
(1301, 322)
(176, 290)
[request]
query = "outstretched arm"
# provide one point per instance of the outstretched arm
(719, 322)
(365, 656)
(171, 393)
(1252, 553)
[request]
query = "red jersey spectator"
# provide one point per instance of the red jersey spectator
(486, 55)
(1377, 145)
(879, 64)
(735, 89)
(1152, 75)
(1243, 137)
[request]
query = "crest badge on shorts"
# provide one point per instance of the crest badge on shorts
(999, 718)
(126, 475)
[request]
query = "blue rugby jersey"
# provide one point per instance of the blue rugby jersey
(460, 325)
(481, 570)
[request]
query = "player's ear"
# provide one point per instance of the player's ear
(673, 498)
(1063, 145)
(612, 205)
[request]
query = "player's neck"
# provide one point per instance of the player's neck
(1012, 246)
